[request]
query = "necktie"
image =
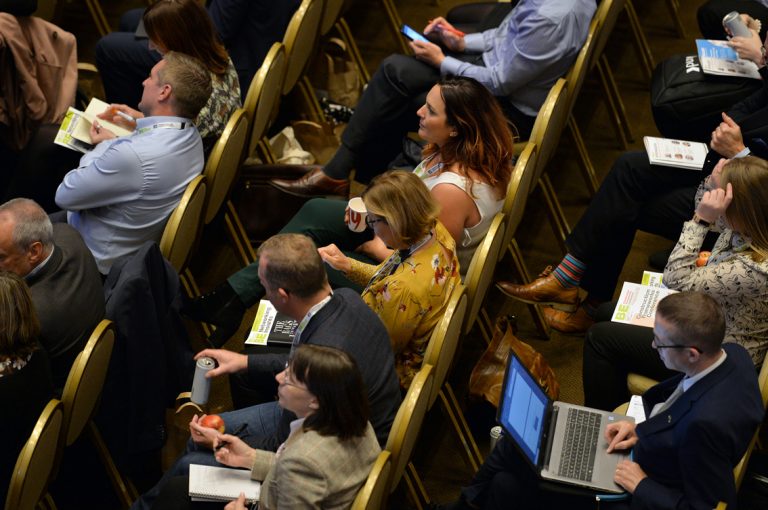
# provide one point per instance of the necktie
(663, 406)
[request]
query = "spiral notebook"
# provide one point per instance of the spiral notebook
(210, 483)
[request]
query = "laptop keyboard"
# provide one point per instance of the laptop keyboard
(580, 445)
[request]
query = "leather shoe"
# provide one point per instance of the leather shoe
(545, 290)
(313, 183)
(571, 323)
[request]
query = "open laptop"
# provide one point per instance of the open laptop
(562, 442)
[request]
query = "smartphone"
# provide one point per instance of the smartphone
(412, 34)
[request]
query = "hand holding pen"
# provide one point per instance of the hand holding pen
(232, 451)
(121, 115)
(451, 37)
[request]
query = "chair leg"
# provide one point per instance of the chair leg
(102, 25)
(555, 212)
(674, 11)
(124, 489)
(522, 271)
(643, 50)
(587, 169)
(416, 487)
(473, 456)
(307, 95)
(395, 22)
(238, 235)
(346, 34)
(615, 105)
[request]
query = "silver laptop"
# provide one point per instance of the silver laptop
(562, 442)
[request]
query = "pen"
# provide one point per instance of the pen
(125, 116)
(239, 430)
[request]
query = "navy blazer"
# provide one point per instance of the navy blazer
(689, 451)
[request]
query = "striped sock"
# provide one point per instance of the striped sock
(570, 271)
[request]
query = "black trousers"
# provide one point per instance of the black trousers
(611, 351)
(634, 196)
(710, 15)
(506, 480)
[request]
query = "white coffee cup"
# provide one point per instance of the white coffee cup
(357, 214)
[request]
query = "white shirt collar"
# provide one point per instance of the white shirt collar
(690, 381)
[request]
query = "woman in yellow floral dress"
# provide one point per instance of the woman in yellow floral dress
(410, 289)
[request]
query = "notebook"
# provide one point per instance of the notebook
(562, 442)
(211, 483)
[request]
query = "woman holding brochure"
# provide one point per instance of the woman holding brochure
(330, 451)
(732, 201)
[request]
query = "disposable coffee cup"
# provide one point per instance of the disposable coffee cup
(357, 215)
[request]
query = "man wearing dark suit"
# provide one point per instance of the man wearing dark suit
(295, 281)
(62, 277)
(699, 425)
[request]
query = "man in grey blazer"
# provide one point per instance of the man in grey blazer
(62, 277)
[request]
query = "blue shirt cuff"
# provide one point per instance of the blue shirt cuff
(450, 65)
(742, 153)
(474, 43)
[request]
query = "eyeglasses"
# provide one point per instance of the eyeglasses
(658, 347)
(371, 222)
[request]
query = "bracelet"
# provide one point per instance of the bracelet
(701, 221)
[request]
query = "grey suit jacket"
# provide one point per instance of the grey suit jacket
(68, 296)
(314, 471)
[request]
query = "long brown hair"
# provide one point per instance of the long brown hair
(19, 325)
(748, 212)
(484, 139)
(186, 27)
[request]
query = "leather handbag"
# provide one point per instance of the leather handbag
(487, 377)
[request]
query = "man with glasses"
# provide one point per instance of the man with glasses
(699, 424)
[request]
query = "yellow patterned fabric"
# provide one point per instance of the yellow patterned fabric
(412, 300)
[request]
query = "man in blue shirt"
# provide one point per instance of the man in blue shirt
(124, 190)
(518, 61)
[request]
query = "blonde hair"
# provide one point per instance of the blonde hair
(19, 325)
(404, 201)
(190, 82)
(749, 178)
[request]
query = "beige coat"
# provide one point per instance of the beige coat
(38, 76)
(315, 471)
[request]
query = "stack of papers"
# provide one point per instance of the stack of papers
(74, 132)
(717, 58)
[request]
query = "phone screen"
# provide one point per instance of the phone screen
(412, 34)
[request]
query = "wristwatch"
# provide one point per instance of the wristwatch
(701, 221)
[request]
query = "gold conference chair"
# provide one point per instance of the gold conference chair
(182, 230)
(262, 101)
(34, 465)
(513, 209)
(300, 39)
(480, 276)
(373, 492)
(406, 427)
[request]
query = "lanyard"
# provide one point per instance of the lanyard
(162, 125)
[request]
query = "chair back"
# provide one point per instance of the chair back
(300, 38)
(606, 15)
(549, 125)
(741, 468)
(445, 340)
(374, 491)
(183, 226)
(32, 472)
(481, 270)
(224, 162)
(86, 378)
(580, 67)
(264, 94)
(331, 14)
(517, 193)
(407, 424)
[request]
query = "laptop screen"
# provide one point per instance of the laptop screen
(523, 409)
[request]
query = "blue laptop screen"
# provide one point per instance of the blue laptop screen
(523, 408)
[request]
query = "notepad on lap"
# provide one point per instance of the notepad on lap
(210, 483)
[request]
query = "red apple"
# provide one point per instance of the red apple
(213, 421)
(702, 260)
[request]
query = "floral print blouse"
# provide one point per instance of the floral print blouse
(224, 100)
(411, 300)
(731, 276)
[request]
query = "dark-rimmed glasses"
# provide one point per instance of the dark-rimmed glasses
(372, 222)
(656, 346)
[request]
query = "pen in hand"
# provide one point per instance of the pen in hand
(125, 116)
(239, 430)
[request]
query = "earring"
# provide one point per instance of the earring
(454, 133)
